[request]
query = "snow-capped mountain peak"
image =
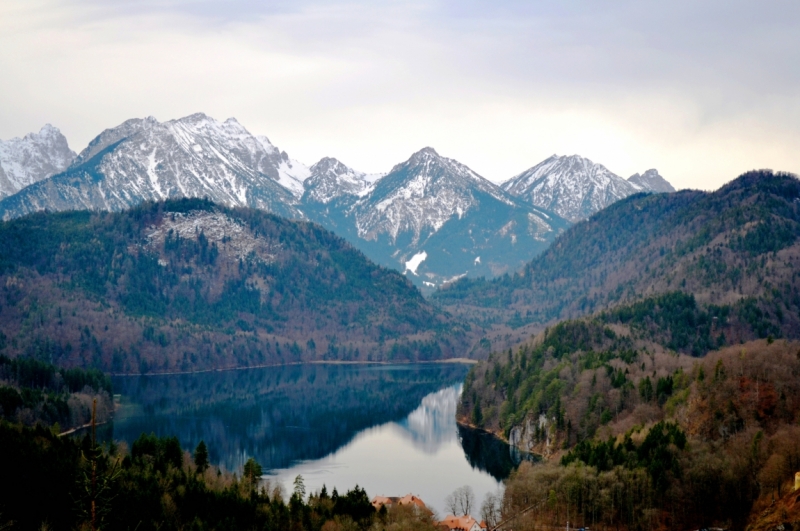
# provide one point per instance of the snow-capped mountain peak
(36, 156)
(329, 179)
(572, 186)
(420, 195)
(193, 156)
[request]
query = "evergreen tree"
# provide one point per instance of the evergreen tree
(201, 457)
(477, 414)
(252, 473)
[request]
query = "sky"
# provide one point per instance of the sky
(701, 90)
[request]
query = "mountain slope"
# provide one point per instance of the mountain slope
(188, 285)
(36, 156)
(437, 219)
(143, 159)
(737, 244)
(575, 187)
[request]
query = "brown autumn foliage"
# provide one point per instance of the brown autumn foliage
(739, 407)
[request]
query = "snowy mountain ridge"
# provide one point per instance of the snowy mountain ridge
(194, 156)
(430, 216)
(575, 187)
(420, 195)
(329, 179)
(36, 156)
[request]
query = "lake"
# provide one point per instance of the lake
(388, 428)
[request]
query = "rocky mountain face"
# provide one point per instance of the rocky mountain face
(330, 180)
(574, 187)
(435, 219)
(195, 156)
(188, 285)
(36, 156)
(651, 181)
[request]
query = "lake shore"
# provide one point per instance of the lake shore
(465, 361)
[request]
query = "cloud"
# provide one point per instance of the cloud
(700, 90)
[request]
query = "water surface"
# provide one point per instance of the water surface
(388, 428)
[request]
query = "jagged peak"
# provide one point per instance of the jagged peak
(329, 164)
(49, 129)
(197, 117)
(425, 153)
(652, 181)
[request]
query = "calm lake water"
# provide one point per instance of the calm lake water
(388, 428)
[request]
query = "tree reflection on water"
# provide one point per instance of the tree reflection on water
(279, 415)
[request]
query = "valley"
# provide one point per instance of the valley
(634, 349)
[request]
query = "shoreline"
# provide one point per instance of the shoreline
(467, 425)
(464, 361)
(79, 428)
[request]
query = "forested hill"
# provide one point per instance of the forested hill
(738, 245)
(656, 438)
(188, 285)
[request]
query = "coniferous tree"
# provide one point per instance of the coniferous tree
(201, 457)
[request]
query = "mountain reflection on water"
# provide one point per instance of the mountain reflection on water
(426, 453)
(389, 428)
(431, 424)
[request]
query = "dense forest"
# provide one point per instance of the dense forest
(638, 430)
(157, 485)
(737, 247)
(36, 392)
(188, 285)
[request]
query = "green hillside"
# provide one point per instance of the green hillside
(188, 285)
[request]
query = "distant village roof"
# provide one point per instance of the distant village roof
(408, 499)
(380, 501)
(461, 523)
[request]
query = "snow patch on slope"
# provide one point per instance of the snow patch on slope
(415, 261)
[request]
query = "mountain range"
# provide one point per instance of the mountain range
(431, 217)
(735, 248)
(575, 187)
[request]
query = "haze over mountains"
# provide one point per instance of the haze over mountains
(430, 216)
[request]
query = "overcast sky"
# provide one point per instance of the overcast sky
(700, 90)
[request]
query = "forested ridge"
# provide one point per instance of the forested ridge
(189, 285)
(735, 247)
(648, 414)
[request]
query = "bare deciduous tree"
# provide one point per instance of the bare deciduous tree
(491, 510)
(461, 501)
